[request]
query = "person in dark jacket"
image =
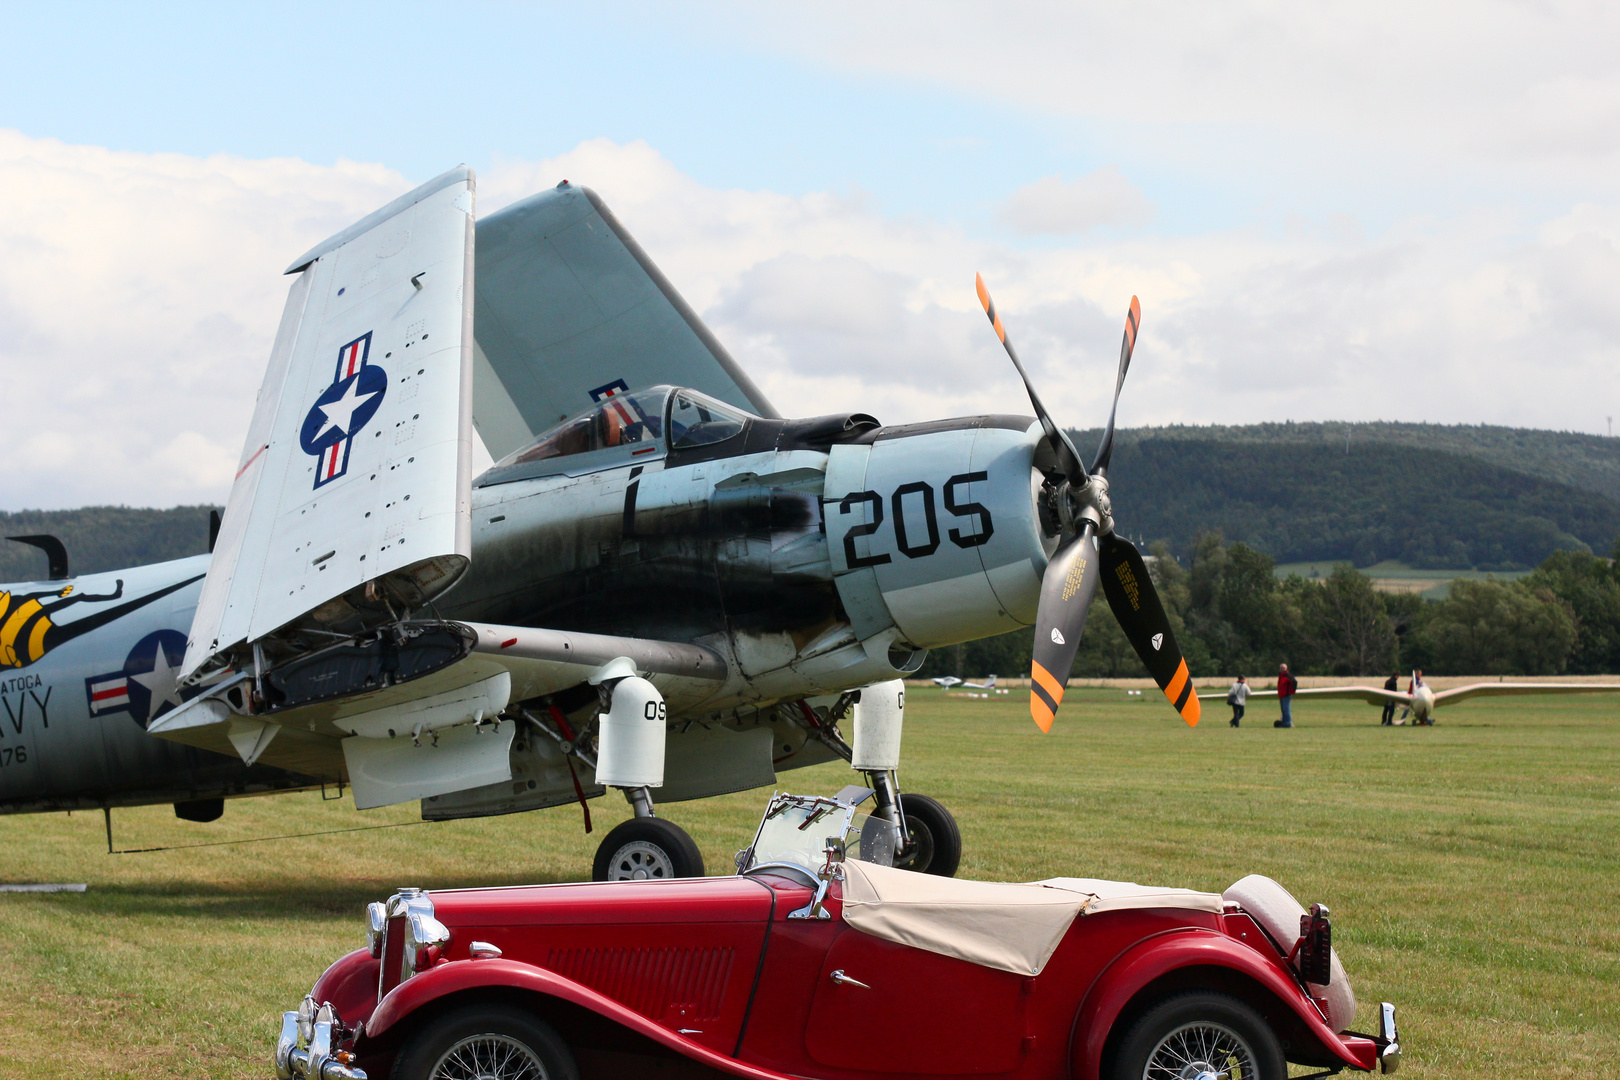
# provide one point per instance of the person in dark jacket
(1285, 696)
(1391, 683)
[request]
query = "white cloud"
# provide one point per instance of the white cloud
(1054, 206)
(1525, 85)
(139, 295)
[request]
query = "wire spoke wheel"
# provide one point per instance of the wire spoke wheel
(489, 1056)
(1199, 1035)
(1202, 1050)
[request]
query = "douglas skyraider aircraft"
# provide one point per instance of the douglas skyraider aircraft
(661, 585)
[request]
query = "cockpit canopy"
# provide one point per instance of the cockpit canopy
(623, 426)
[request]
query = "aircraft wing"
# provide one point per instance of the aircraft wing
(569, 309)
(422, 738)
(1372, 695)
(1462, 693)
(356, 473)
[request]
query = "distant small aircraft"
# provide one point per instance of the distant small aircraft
(948, 681)
(1424, 700)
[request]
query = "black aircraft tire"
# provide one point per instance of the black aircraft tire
(647, 848)
(936, 842)
(485, 1040)
(1197, 1022)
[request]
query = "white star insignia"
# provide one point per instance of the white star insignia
(160, 682)
(340, 413)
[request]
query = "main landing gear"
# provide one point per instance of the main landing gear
(630, 757)
(931, 841)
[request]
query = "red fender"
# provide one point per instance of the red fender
(498, 974)
(1160, 955)
(350, 984)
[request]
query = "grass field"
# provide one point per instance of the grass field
(1472, 869)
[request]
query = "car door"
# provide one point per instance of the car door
(883, 1007)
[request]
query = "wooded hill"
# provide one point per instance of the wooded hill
(1458, 497)
(102, 538)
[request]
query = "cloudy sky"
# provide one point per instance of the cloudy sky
(1400, 211)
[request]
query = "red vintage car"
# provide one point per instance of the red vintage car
(818, 960)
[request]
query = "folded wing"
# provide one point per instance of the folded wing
(570, 310)
(353, 486)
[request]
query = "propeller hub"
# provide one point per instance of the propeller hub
(1079, 503)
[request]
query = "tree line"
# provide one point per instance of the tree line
(1232, 615)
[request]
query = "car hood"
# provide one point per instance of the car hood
(685, 900)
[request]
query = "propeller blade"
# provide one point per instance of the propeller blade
(1068, 457)
(1067, 589)
(1136, 605)
(1105, 449)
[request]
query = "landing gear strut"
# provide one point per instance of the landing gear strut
(630, 757)
(931, 843)
(935, 845)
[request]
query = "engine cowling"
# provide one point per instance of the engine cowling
(934, 529)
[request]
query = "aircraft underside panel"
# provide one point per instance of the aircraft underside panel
(358, 464)
(386, 771)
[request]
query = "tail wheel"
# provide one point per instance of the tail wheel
(1200, 1035)
(486, 1042)
(647, 848)
(936, 842)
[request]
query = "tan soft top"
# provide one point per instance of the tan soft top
(998, 925)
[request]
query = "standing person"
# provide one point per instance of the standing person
(1238, 697)
(1285, 696)
(1391, 683)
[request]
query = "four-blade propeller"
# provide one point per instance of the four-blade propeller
(1089, 552)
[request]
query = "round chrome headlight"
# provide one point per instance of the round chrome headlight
(306, 1019)
(376, 927)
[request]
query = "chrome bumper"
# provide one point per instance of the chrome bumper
(1389, 1052)
(309, 1056)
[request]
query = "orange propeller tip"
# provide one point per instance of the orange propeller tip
(1041, 713)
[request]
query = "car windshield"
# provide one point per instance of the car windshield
(697, 420)
(796, 828)
(619, 419)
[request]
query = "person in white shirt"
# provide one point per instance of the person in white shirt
(1238, 697)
